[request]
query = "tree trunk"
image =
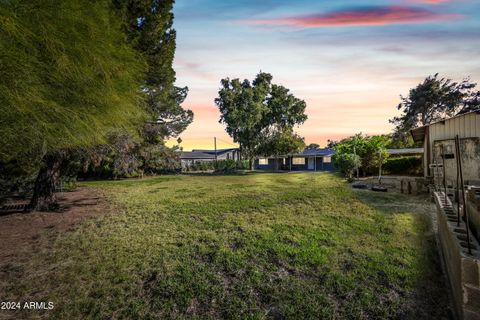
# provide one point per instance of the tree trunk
(250, 163)
(44, 198)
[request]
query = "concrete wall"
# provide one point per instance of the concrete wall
(401, 184)
(470, 157)
(463, 269)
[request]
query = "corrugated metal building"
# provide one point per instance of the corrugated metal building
(442, 134)
(439, 150)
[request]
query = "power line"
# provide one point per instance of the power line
(229, 143)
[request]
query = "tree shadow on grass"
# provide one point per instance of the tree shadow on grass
(431, 297)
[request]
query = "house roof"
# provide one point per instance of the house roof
(203, 154)
(317, 152)
(406, 151)
(218, 152)
(196, 155)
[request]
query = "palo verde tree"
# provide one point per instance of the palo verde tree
(68, 77)
(432, 100)
(260, 116)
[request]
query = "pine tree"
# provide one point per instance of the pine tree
(68, 76)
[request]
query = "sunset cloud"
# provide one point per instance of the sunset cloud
(375, 16)
(430, 1)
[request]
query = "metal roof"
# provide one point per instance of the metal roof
(196, 155)
(406, 151)
(418, 134)
(317, 152)
(218, 152)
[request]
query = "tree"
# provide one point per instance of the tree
(367, 151)
(313, 146)
(280, 142)
(432, 100)
(68, 77)
(258, 113)
(331, 143)
(149, 28)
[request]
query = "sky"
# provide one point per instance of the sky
(350, 60)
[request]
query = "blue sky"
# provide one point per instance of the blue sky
(349, 60)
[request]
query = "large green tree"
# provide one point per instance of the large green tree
(148, 25)
(260, 116)
(69, 75)
(432, 100)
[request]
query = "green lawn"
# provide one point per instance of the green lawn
(293, 246)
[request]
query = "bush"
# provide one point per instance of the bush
(223, 166)
(346, 163)
(408, 165)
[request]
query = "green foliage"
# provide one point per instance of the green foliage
(432, 100)
(159, 159)
(201, 166)
(230, 166)
(408, 165)
(370, 151)
(280, 142)
(346, 163)
(254, 246)
(312, 146)
(124, 157)
(149, 28)
(221, 166)
(68, 76)
(260, 116)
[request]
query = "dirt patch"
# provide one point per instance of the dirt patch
(20, 232)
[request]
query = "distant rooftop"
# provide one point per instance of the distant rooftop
(406, 151)
(203, 154)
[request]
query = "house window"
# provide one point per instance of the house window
(327, 159)
(263, 161)
(300, 161)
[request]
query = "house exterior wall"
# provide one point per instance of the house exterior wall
(287, 165)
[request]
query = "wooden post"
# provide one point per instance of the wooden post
(355, 155)
(215, 145)
(380, 167)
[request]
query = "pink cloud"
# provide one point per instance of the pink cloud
(376, 16)
(430, 1)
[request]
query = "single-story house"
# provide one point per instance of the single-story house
(189, 158)
(308, 160)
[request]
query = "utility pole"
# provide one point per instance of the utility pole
(215, 145)
(380, 156)
(355, 155)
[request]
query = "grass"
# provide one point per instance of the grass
(294, 246)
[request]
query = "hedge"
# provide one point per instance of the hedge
(408, 165)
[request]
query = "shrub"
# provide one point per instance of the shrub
(346, 163)
(223, 166)
(409, 165)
